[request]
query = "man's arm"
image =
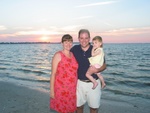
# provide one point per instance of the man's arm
(102, 68)
(97, 70)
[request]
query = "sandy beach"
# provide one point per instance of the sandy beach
(20, 99)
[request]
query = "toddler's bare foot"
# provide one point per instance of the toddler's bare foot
(94, 85)
(103, 85)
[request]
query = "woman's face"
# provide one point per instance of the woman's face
(67, 45)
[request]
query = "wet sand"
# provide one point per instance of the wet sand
(20, 99)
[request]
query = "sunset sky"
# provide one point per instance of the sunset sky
(117, 21)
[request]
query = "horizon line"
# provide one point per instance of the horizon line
(73, 42)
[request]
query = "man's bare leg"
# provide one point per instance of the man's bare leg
(93, 110)
(80, 109)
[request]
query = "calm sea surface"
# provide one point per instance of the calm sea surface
(127, 75)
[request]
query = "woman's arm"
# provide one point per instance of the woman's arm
(56, 59)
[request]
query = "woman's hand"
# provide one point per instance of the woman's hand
(52, 95)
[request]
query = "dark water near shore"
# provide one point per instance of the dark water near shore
(127, 75)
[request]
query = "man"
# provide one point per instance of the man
(85, 93)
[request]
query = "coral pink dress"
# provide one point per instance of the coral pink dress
(65, 85)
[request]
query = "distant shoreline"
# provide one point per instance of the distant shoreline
(29, 42)
(60, 42)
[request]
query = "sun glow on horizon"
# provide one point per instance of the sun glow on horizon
(45, 39)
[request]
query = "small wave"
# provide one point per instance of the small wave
(4, 74)
(143, 65)
(133, 83)
(39, 72)
(24, 70)
(29, 66)
(141, 76)
(111, 65)
(25, 79)
(133, 94)
(43, 81)
(147, 54)
(2, 68)
(110, 54)
(114, 53)
(146, 69)
(116, 73)
(36, 63)
(31, 71)
(146, 84)
(5, 64)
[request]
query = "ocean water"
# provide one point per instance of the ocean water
(127, 75)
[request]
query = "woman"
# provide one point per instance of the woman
(64, 78)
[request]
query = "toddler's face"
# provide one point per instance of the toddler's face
(96, 43)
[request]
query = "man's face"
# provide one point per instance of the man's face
(84, 40)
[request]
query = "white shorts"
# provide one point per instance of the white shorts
(85, 93)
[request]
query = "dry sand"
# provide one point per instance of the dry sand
(20, 99)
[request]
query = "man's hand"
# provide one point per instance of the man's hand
(97, 70)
